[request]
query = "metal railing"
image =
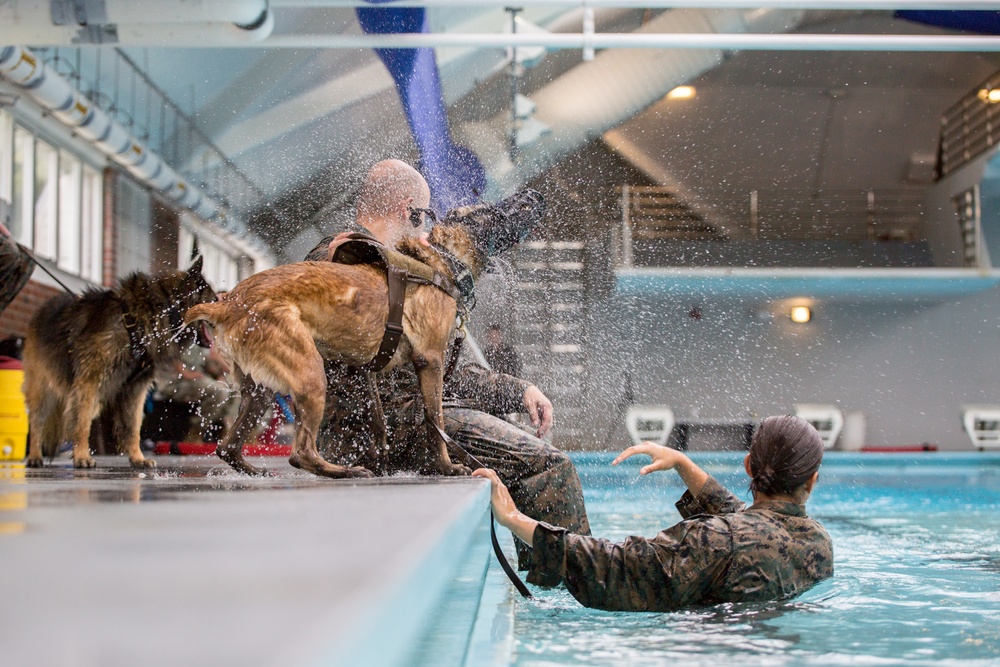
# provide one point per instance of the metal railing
(122, 88)
(970, 127)
(653, 215)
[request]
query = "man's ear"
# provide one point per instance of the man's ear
(746, 465)
(404, 210)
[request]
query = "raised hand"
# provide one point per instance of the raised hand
(664, 458)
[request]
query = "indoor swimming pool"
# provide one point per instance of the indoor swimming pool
(917, 547)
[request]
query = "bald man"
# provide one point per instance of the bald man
(541, 478)
(391, 190)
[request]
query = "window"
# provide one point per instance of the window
(56, 200)
(6, 156)
(133, 227)
(69, 213)
(23, 186)
(45, 203)
(220, 267)
(92, 226)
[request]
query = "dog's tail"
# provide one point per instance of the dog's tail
(209, 312)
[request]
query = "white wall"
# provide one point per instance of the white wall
(907, 366)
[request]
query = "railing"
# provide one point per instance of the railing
(652, 216)
(970, 127)
(113, 81)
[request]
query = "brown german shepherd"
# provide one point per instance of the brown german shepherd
(278, 326)
(97, 353)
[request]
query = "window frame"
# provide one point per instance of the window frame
(77, 201)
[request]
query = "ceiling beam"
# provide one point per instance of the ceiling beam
(724, 41)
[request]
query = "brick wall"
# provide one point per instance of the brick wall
(14, 320)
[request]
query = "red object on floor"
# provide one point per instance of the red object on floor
(901, 449)
(208, 448)
(270, 434)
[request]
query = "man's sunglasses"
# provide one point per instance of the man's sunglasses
(417, 216)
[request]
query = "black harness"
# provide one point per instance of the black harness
(364, 249)
(140, 354)
(463, 278)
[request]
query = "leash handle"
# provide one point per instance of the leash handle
(504, 563)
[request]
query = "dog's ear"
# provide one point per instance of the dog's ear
(196, 266)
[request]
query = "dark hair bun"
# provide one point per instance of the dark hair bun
(784, 454)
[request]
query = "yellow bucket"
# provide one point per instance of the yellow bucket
(13, 416)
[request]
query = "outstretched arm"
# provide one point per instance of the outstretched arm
(674, 569)
(665, 458)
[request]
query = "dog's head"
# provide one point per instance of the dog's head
(496, 228)
(187, 289)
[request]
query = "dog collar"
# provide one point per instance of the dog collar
(461, 276)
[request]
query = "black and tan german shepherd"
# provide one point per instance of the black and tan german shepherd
(96, 354)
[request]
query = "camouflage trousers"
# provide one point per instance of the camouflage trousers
(542, 479)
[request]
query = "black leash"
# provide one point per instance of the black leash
(468, 458)
(44, 268)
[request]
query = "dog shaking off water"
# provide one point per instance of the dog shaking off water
(96, 353)
(278, 326)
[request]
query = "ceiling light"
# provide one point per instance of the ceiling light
(990, 96)
(681, 93)
(800, 314)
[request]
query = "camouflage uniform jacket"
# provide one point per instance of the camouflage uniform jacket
(721, 552)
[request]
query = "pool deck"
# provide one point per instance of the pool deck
(190, 563)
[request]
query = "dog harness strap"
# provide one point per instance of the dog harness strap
(396, 278)
(456, 351)
(135, 346)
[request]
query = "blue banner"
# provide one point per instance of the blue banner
(984, 23)
(455, 175)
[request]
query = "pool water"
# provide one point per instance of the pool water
(917, 581)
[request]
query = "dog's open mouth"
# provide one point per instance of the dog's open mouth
(204, 337)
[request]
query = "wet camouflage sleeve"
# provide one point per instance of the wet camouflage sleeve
(676, 568)
(15, 270)
(713, 499)
(724, 553)
(486, 390)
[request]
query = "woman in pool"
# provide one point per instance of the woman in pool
(722, 551)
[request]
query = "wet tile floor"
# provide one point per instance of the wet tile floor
(192, 563)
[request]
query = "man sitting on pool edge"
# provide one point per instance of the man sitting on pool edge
(721, 551)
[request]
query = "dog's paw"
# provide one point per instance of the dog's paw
(143, 463)
(456, 470)
(363, 473)
(34, 462)
(85, 462)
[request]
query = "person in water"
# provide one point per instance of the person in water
(722, 550)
